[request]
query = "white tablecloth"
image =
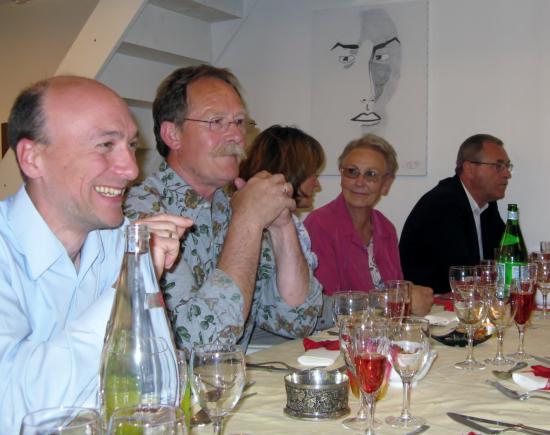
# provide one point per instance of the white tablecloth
(444, 389)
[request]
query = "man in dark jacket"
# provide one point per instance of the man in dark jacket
(457, 222)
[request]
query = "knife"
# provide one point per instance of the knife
(471, 421)
(269, 368)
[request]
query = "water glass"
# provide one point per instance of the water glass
(500, 312)
(346, 304)
(61, 421)
(543, 284)
(217, 378)
(399, 297)
(409, 345)
(148, 419)
(470, 307)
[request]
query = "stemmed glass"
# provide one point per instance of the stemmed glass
(217, 377)
(185, 384)
(522, 293)
(500, 312)
(470, 307)
(61, 421)
(408, 348)
(399, 297)
(369, 352)
(148, 419)
(346, 330)
(347, 304)
(543, 284)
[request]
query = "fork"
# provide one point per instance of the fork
(512, 394)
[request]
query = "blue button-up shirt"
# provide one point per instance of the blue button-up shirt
(52, 316)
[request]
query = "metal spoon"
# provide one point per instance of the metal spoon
(507, 374)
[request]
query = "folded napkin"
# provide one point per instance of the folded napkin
(537, 379)
(327, 344)
(319, 353)
(441, 319)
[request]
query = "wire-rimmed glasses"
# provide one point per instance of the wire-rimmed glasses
(221, 125)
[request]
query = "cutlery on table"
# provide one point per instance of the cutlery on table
(507, 374)
(503, 426)
(517, 395)
(419, 429)
(272, 366)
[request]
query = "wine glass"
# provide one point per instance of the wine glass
(217, 378)
(399, 294)
(500, 312)
(543, 284)
(138, 372)
(61, 421)
(545, 247)
(147, 419)
(522, 293)
(346, 331)
(369, 352)
(470, 307)
(408, 348)
(346, 304)
(460, 276)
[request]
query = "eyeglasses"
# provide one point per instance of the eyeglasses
(221, 125)
(370, 175)
(499, 166)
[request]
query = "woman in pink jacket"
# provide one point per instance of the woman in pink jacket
(356, 245)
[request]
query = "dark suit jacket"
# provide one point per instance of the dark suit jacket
(440, 232)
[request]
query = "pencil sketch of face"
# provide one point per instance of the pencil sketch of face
(370, 69)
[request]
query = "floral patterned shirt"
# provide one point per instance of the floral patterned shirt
(204, 303)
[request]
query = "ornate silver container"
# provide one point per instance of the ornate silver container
(316, 394)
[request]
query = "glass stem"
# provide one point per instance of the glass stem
(521, 330)
(363, 412)
(370, 408)
(405, 410)
(544, 307)
(217, 425)
(470, 355)
(500, 343)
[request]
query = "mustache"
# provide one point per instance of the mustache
(230, 149)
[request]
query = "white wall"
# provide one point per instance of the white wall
(489, 67)
(34, 37)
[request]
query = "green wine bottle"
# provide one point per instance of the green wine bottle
(512, 251)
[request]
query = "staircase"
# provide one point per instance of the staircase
(131, 45)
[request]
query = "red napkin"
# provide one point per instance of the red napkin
(327, 344)
(543, 372)
(445, 299)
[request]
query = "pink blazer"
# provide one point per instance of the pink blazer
(343, 258)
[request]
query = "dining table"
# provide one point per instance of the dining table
(444, 389)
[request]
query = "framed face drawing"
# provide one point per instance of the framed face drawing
(369, 75)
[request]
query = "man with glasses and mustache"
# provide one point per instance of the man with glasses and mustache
(244, 257)
(458, 222)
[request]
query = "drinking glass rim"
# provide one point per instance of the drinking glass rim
(58, 412)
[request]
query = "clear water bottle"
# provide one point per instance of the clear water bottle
(512, 252)
(138, 361)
